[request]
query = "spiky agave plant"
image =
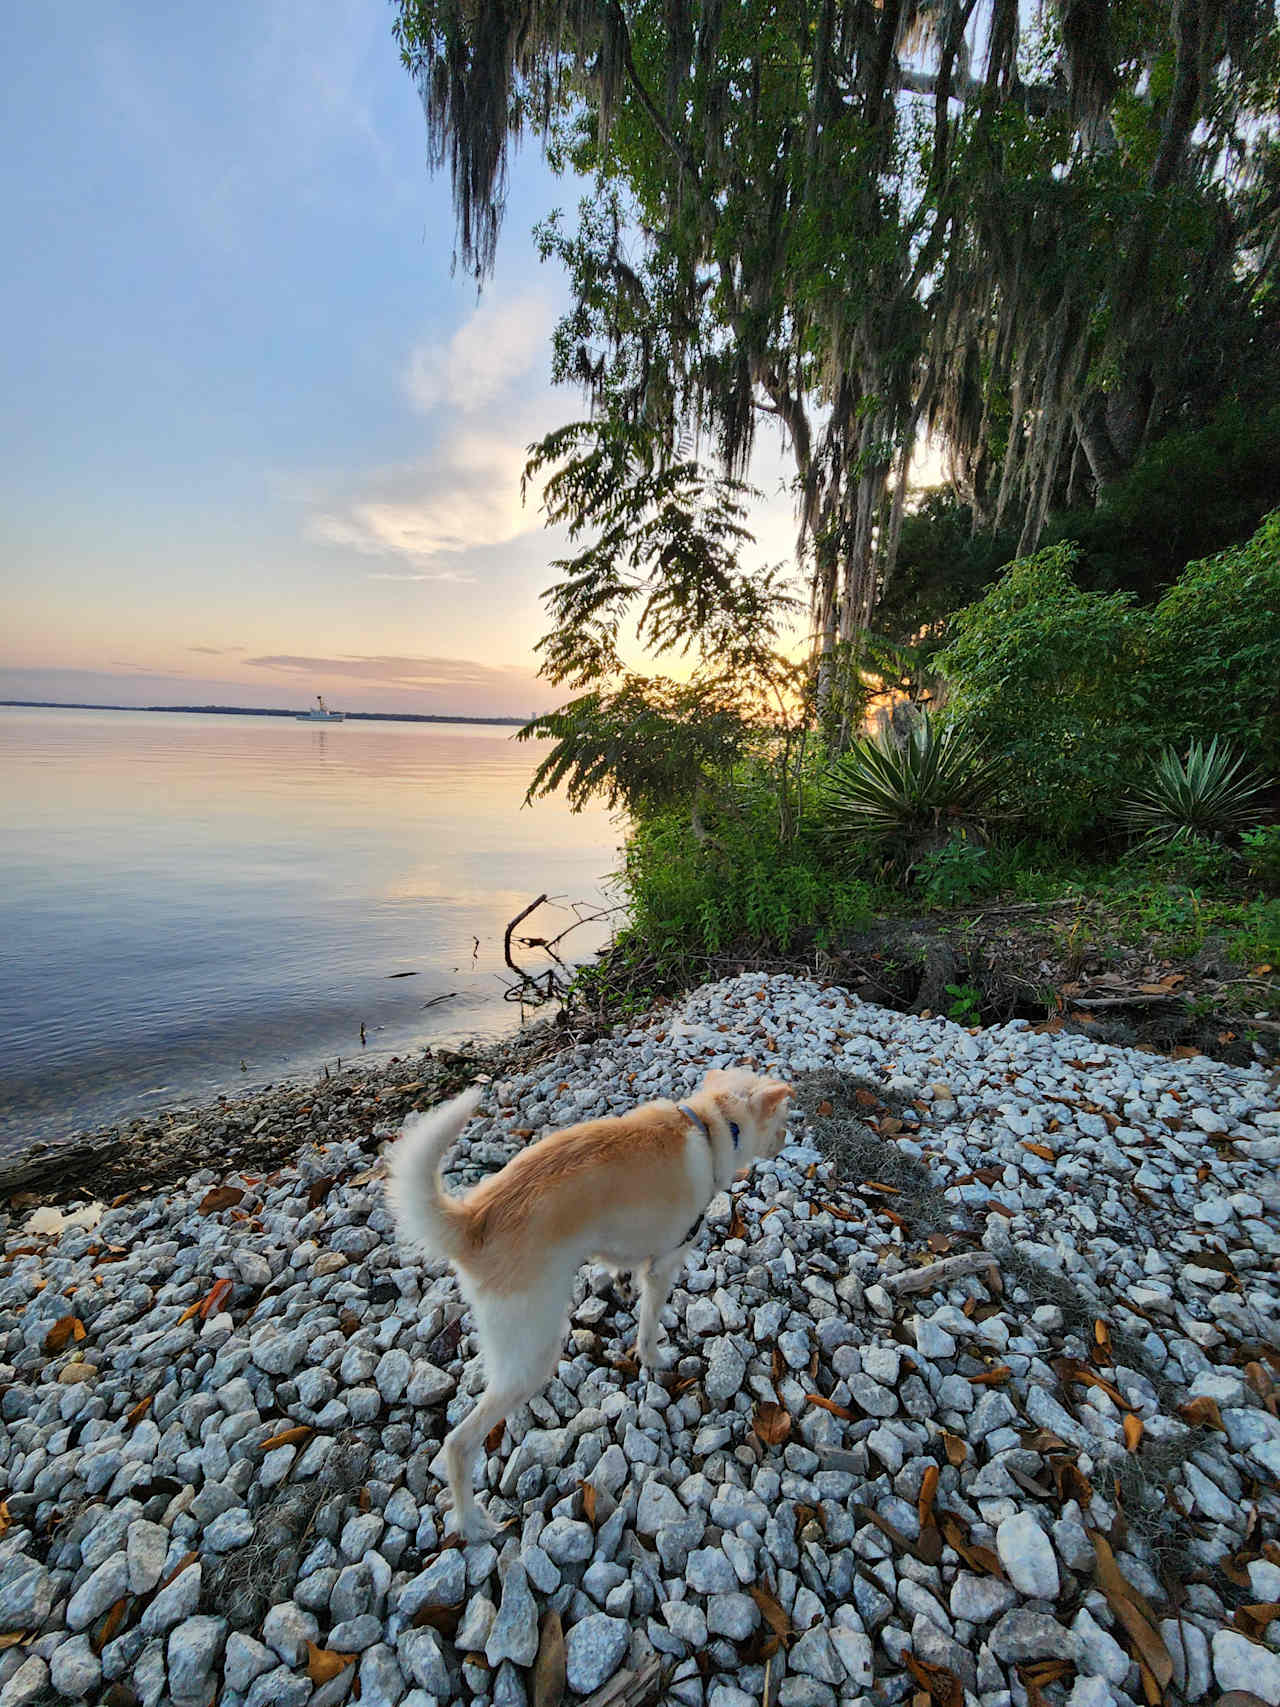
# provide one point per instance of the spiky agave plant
(910, 793)
(1209, 794)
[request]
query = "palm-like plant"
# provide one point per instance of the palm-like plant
(911, 792)
(1210, 795)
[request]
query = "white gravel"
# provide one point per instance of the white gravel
(196, 1501)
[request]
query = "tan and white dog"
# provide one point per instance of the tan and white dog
(629, 1192)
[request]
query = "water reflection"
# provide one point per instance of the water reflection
(179, 894)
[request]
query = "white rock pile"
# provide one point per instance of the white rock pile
(1045, 1472)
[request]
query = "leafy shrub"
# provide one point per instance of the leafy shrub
(1214, 648)
(1261, 850)
(908, 795)
(1144, 530)
(1210, 794)
(954, 873)
(692, 899)
(1049, 677)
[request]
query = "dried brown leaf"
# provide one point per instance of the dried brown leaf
(221, 1197)
(1133, 1432)
(324, 1664)
(548, 1677)
(1202, 1412)
(771, 1423)
(771, 1609)
(289, 1437)
(63, 1332)
(957, 1450)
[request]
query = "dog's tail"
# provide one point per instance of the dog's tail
(426, 1216)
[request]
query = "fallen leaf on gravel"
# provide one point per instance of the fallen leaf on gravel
(957, 1450)
(991, 1377)
(445, 1619)
(205, 1307)
(830, 1405)
(771, 1610)
(589, 1502)
(928, 1491)
(771, 1423)
(826, 1108)
(1133, 1432)
(1258, 1379)
(110, 1625)
(1069, 1369)
(1102, 1342)
(319, 1190)
(1041, 1150)
(942, 1686)
(980, 1558)
(548, 1676)
(324, 1664)
(1131, 1608)
(290, 1437)
(63, 1331)
(221, 1197)
(1202, 1412)
(1253, 1620)
(11, 1638)
(5, 1519)
(493, 1440)
(136, 1414)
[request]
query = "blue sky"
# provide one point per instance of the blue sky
(258, 440)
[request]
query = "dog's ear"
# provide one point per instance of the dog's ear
(771, 1097)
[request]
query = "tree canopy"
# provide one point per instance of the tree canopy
(1041, 238)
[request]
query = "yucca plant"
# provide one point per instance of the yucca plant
(910, 793)
(1208, 795)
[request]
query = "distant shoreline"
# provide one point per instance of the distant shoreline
(256, 711)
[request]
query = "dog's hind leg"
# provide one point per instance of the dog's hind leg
(656, 1280)
(520, 1340)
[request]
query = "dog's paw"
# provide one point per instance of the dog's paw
(652, 1355)
(477, 1525)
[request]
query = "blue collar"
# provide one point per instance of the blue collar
(700, 1123)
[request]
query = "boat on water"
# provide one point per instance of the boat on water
(320, 713)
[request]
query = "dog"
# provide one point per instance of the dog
(629, 1191)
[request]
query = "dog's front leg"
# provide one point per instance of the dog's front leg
(656, 1281)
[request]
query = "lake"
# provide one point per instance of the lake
(194, 904)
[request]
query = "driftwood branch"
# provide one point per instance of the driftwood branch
(940, 1273)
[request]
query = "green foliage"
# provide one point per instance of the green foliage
(1214, 647)
(1045, 674)
(906, 795)
(956, 872)
(942, 565)
(1261, 850)
(1209, 795)
(1192, 492)
(966, 1004)
(644, 744)
(665, 542)
(692, 899)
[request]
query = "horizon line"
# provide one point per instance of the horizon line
(269, 711)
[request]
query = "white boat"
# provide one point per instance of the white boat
(320, 713)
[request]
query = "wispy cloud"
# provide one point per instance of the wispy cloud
(393, 671)
(489, 355)
(468, 495)
(216, 651)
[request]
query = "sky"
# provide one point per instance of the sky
(259, 439)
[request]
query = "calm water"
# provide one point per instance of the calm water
(190, 903)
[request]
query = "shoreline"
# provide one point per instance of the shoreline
(267, 1125)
